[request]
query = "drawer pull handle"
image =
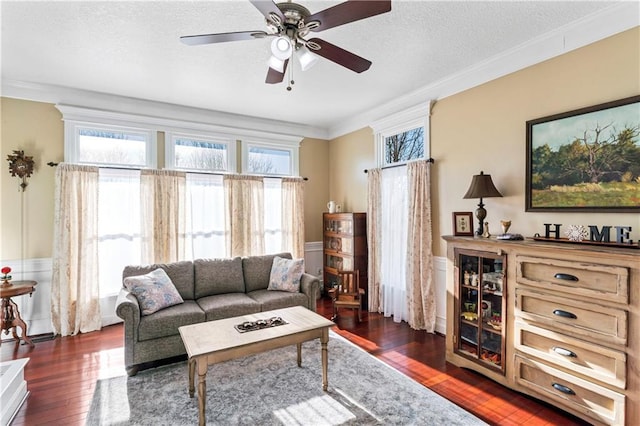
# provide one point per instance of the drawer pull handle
(564, 352)
(563, 389)
(564, 314)
(565, 277)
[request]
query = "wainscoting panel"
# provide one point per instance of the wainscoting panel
(440, 269)
(35, 310)
(313, 258)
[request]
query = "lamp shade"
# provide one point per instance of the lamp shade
(482, 187)
(281, 48)
(276, 64)
(307, 58)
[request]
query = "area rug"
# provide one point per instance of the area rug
(270, 389)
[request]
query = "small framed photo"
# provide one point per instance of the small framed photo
(462, 223)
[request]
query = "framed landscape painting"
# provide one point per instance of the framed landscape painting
(587, 160)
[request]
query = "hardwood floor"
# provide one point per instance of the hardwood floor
(62, 372)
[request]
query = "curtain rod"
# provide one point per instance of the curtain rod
(52, 164)
(428, 160)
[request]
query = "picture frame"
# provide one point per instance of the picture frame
(585, 160)
(462, 224)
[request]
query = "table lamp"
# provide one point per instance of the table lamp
(481, 187)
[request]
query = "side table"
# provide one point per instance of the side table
(10, 318)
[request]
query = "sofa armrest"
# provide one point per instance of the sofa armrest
(310, 285)
(128, 309)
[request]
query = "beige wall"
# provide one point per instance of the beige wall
(349, 156)
(26, 221)
(37, 128)
(314, 160)
(484, 129)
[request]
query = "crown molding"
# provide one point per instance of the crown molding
(597, 26)
(192, 118)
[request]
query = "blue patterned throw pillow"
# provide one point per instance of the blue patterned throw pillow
(154, 291)
(286, 274)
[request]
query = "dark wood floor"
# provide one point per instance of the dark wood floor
(62, 372)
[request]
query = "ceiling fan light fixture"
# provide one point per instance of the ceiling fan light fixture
(307, 58)
(276, 64)
(281, 48)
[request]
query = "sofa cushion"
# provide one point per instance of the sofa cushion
(218, 276)
(257, 270)
(166, 322)
(154, 291)
(269, 299)
(181, 274)
(228, 305)
(286, 274)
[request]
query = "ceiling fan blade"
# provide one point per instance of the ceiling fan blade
(193, 40)
(267, 7)
(349, 11)
(274, 76)
(341, 56)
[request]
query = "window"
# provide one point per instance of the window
(403, 137)
(276, 158)
(109, 145)
(404, 146)
(203, 153)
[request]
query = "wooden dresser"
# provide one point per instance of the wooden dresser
(572, 324)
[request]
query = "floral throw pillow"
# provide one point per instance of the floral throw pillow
(154, 291)
(286, 274)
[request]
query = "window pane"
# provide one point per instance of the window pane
(404, 146)
(269, 161)
(200, 154)
(98, 146)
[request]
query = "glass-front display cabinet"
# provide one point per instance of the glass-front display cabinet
(480, 308)
(344, 246)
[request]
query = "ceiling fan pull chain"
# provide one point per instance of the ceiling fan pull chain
(291, 82)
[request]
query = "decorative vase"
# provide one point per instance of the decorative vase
(6, 283)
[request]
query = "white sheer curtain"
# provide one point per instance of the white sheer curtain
(393, 244)
(75, 292)
(206, 234)
(244, 214)
(163, 199)
(273, 220)
(119, 227)
(293, 216)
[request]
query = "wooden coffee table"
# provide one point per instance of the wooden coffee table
(217, 341)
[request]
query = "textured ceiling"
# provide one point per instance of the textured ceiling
(132, 49)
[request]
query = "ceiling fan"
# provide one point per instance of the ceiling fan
(290, 23)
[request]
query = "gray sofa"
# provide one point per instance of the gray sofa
(211, 289)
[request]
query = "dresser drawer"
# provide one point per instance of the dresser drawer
(591, 321)
(592, 400)
(603, 282)
(588, 359)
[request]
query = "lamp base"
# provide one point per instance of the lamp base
(481, 213)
